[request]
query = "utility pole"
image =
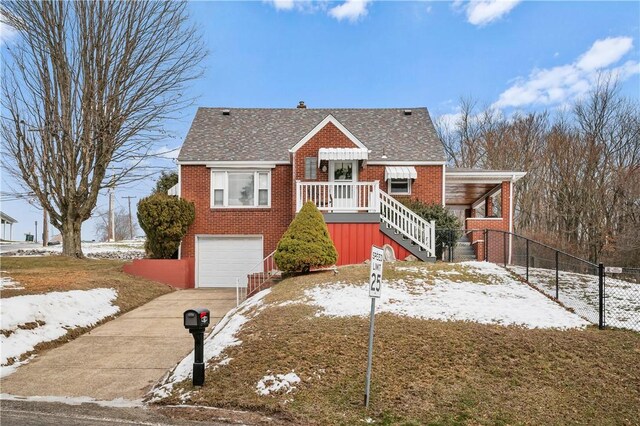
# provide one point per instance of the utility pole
(45, 226)
(111, 231)
(130, 218)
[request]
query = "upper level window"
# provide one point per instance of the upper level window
(240, 189)
(310, 167)
(400, 186)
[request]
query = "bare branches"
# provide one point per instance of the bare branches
(90, 85)
(582, 186)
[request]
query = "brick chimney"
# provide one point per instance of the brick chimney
(301, 105)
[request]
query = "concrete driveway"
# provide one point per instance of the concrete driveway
(124, 357)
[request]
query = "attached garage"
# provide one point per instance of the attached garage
(222, 259)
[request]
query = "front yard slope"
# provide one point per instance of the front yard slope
(454, 344)
(47, 301)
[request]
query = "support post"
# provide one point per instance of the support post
(601, 313)
(486, 245)
(504, 248)
(527, 242)
(370, 357)
(557, 287)
(198, 357)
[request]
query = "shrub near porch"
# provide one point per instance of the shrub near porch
(425, 371)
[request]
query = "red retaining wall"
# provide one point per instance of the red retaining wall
(353, 241)
(178, 273)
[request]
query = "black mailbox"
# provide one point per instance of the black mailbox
(196, 318)
(196, 321)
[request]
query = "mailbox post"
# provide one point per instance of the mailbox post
(196, 321)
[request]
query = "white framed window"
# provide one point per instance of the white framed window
(310, 167)
(240, 189)
(400, 186)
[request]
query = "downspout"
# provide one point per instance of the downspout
(511, 216)
(444, 166)
(180, 196)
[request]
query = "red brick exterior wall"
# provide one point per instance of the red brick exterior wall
(272, 222)
(328, 137)
(427, 187)
(268, 222)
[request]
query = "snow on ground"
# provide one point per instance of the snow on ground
(126, 249)
(505, 301)
(28, 320)
(222, 337)
(78, 400)
(7, 282)
(278, 383)
(580, 292)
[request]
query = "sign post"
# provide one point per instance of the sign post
(375, 285)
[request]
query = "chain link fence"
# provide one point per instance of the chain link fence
(622, 297)
(602, 296)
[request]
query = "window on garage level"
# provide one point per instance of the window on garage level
(310, 167)
(400, 186)
(240, 189)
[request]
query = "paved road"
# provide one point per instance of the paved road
(29, 413)
(123, 358)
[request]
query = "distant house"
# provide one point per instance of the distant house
(248, 171)
(5, 220)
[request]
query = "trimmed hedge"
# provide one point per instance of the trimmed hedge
(448, 227)
(165, 220)
(307, 243)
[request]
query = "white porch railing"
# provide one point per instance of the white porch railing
(337, 197)
(406, 222)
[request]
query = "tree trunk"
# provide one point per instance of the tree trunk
(71, 238)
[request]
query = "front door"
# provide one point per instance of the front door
(344, 174)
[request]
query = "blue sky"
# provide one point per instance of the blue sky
(513, 55)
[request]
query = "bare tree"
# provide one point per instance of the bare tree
(582, 189)
(121, 228)
(86, 91)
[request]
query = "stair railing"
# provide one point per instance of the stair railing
(407, 223)
(254, 279)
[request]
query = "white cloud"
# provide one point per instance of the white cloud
(7, 32)
(483, 12)
(558, 85)
(605, 52)
(282, 4)
(351, 10)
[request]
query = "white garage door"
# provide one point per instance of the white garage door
(220, 260)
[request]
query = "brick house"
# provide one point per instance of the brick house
(248, 171)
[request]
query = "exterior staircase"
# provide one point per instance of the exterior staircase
(406, 228)
(463, 251)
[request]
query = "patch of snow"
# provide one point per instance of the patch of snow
(222, 337)
(581, 293)
(117, 403)
(7, 282)
(279, 383)
(125, 249)
(506, 301)
(32, 319)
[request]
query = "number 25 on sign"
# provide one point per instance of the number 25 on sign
(375, 272)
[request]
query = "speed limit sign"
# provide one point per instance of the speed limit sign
(375, 272)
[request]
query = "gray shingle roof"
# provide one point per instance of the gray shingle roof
(257, 134)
